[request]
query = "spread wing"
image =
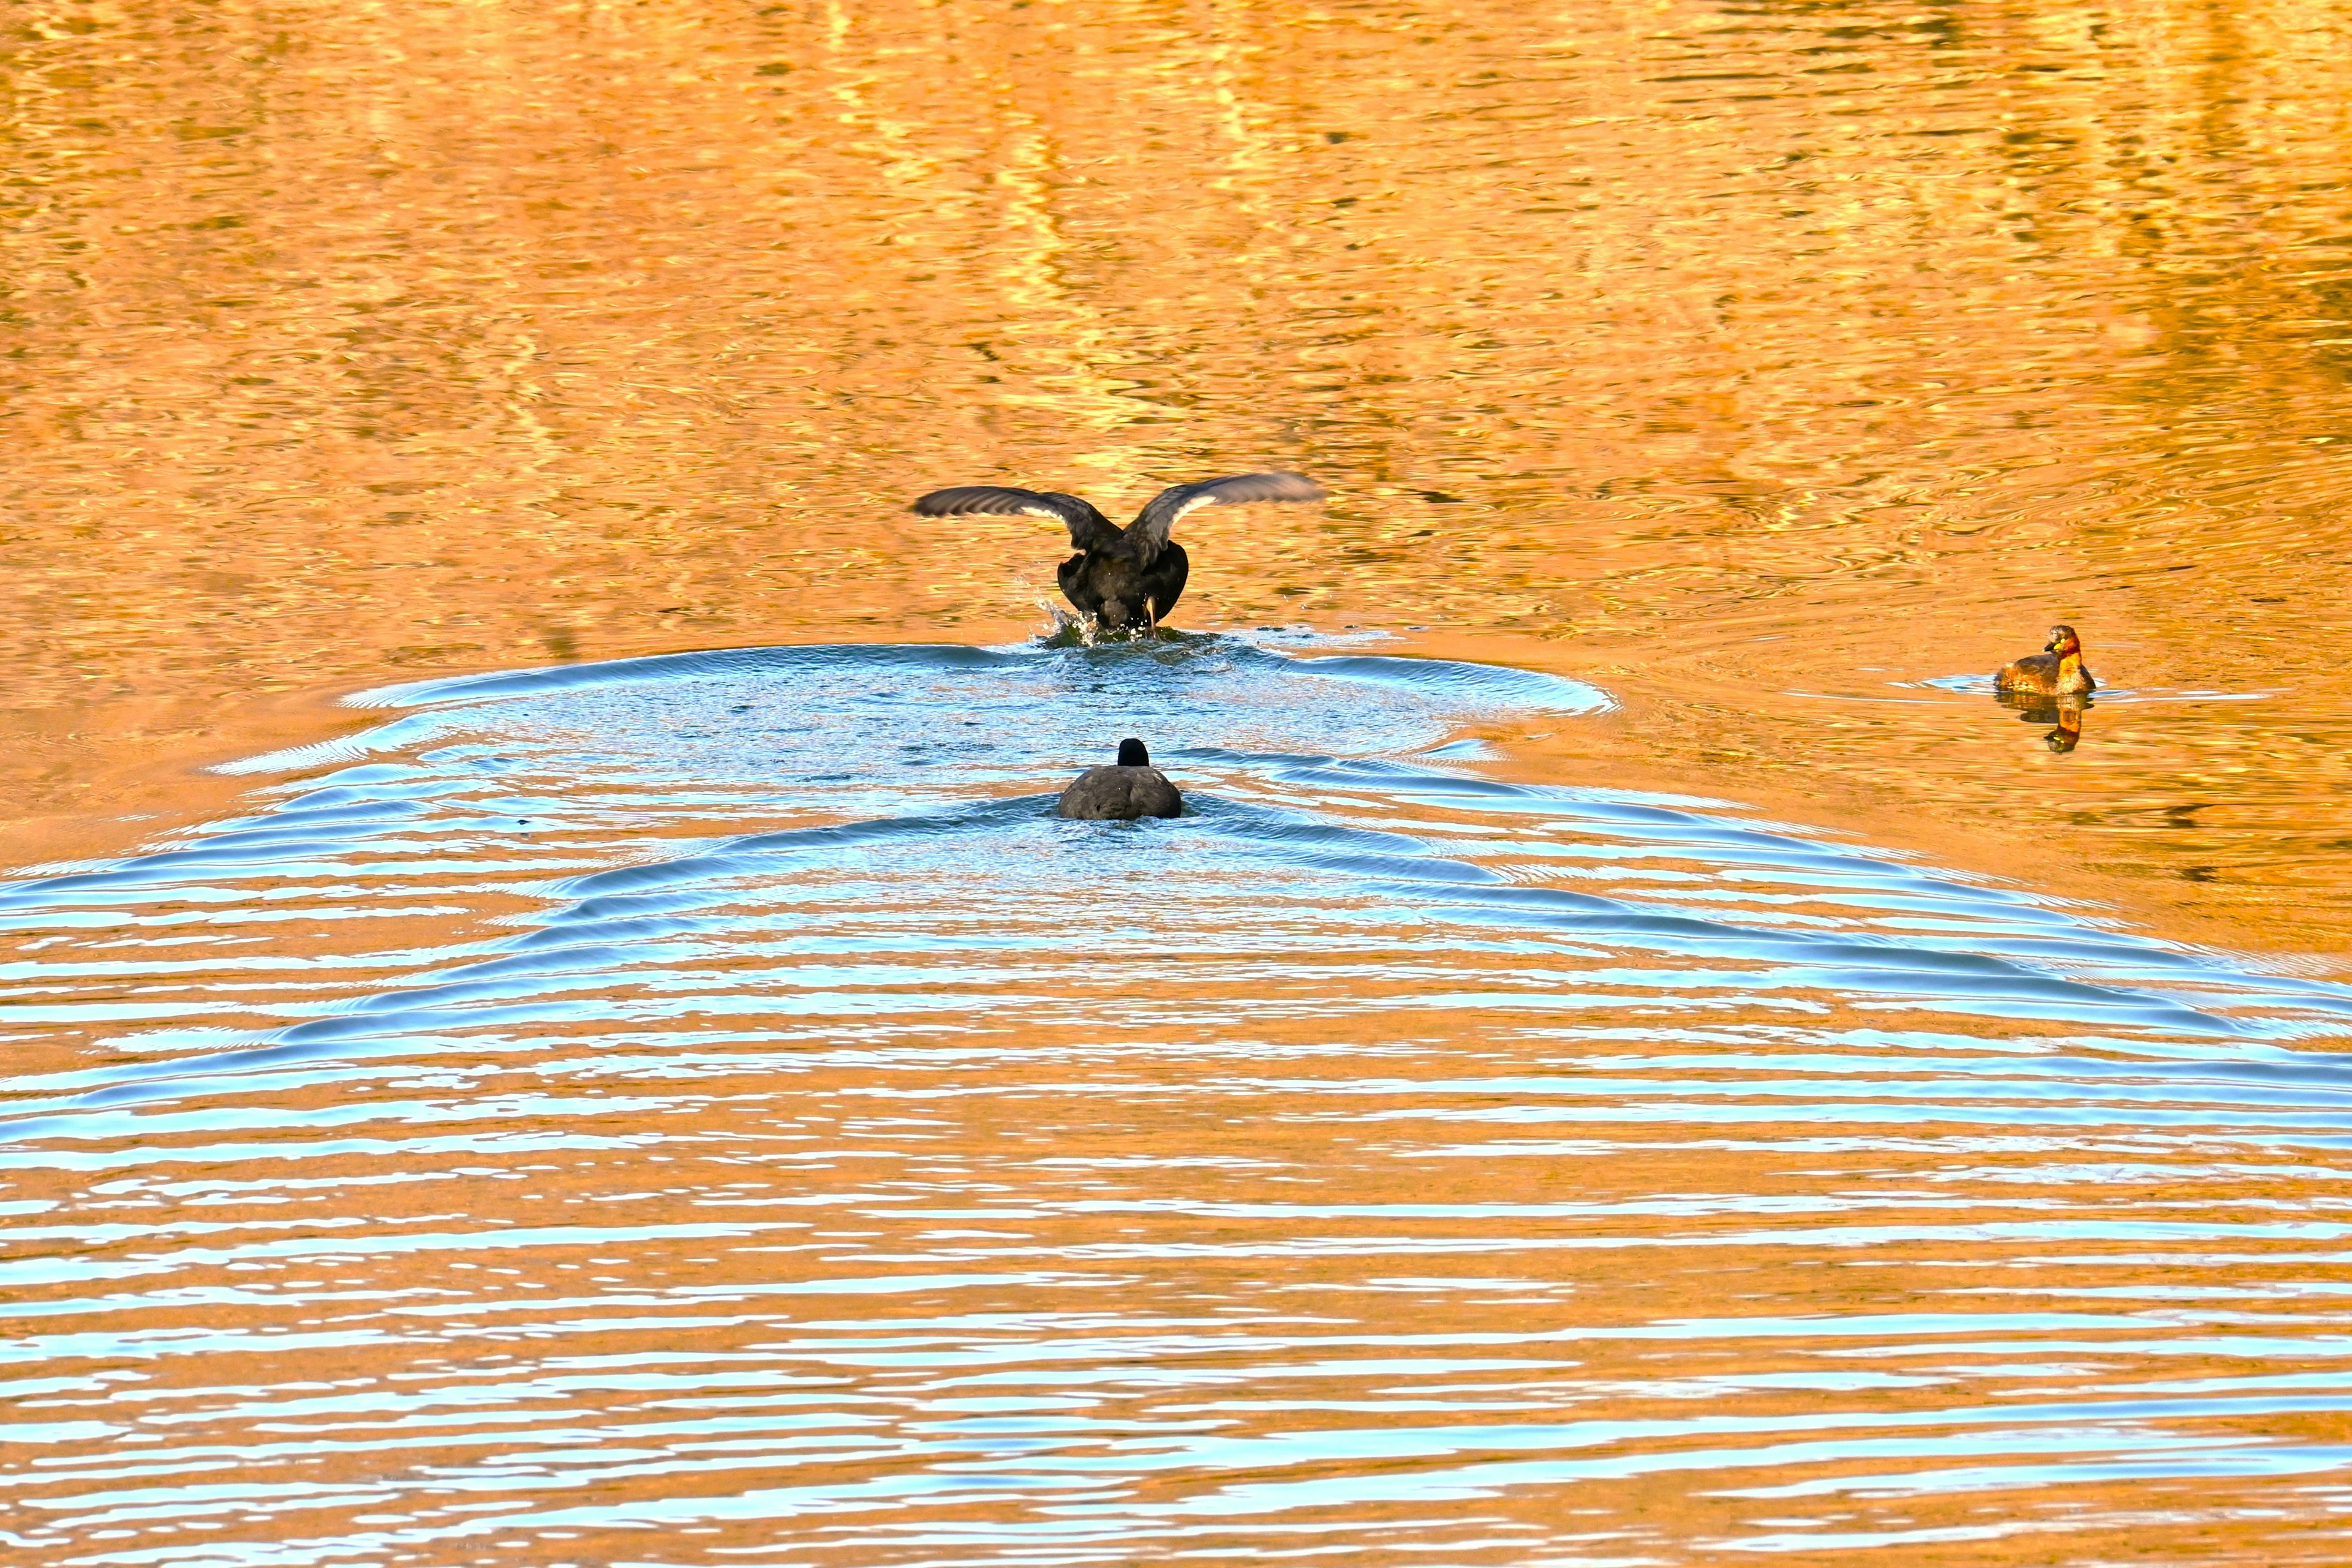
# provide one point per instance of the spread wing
(1148, 534)
(1089, 530)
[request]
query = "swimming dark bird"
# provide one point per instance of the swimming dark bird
(1128, 576)
(2056, 671)
(1128, 788)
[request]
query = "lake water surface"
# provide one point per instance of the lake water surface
(706, 1107)
(1632, 1055)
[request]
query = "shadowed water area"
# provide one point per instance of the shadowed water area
(1632, 1055)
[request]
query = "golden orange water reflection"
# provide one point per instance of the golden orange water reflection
(1760, 356)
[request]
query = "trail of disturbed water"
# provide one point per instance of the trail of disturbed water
(706, 1108)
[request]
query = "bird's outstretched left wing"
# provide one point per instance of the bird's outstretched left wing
(1089, 530)
(1147, 536)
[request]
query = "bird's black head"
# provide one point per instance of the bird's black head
(1131, 753)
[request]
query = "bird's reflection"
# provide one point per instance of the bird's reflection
(2034, 707)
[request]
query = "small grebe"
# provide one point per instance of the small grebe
(1122, 577)
(1128, 789)
(2056, 671)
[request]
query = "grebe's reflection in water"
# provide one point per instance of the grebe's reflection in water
(2065, 712)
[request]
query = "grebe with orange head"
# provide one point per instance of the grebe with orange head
(2056, 671)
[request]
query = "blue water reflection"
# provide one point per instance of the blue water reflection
(711, 1102)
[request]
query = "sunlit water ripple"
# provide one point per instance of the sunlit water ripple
(707, 1109)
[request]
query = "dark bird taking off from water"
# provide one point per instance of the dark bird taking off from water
(1128, 576)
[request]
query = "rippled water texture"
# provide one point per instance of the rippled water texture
(1720, 1085)
(707, 1108)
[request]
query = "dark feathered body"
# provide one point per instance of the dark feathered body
(1128, 788)
(1120, 795)
(1119, 591)
(1123, 577)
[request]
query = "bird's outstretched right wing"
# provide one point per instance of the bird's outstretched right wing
(1089, 530)
(1148, 534)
